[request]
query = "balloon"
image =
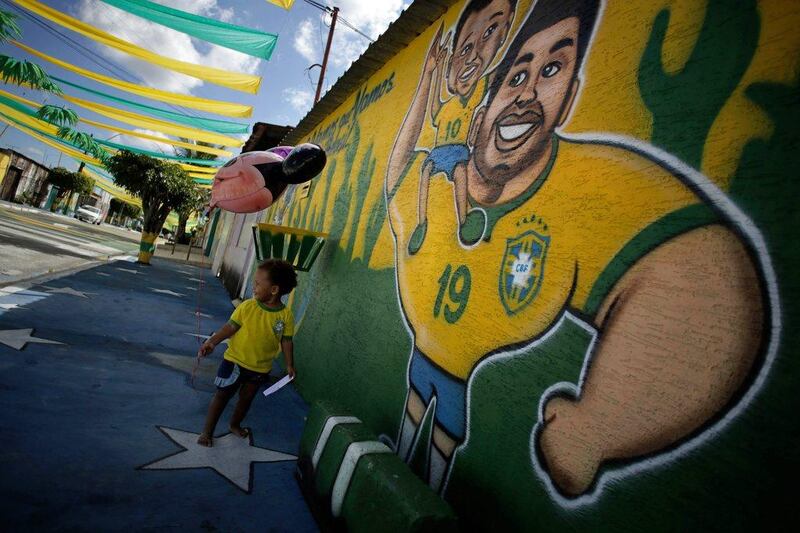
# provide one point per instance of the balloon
(253, 181)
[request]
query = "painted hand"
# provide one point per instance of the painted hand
(434, 51)
(571, 446)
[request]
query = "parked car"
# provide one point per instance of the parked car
(88, 213)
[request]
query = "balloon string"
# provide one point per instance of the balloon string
(198, 307)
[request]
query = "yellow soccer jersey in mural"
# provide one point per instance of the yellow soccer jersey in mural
(559, 246)
(453, 119)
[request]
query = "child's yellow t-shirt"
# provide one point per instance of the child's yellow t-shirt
(257, 342)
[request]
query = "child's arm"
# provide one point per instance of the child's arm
(223, 333)
(287, 346)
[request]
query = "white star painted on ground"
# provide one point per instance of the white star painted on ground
(131, 271)
(232, 457)
(167, 291)
(521, 270)
(67, 290)
(198, 313)
(103, 274)
(9, 307)
(204, 337)
(191, 288)
(18, 338)
(197, 280)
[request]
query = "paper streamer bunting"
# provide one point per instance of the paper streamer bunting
(285, 4)
(176, 158)
(251, 42)
(219, 126)
(142, 121)
(184, 100)
(7, 98)
(247, 83)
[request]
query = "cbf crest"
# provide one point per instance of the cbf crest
(522, 270)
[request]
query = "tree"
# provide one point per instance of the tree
(201, 199)
(68, 182)
(20, 72)
(161, 186)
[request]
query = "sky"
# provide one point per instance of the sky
(287, 87)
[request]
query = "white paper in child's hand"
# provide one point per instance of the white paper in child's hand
(278, 385)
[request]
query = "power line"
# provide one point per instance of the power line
(344, 21)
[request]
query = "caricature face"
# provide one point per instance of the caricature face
(481, 36)
(516, 127)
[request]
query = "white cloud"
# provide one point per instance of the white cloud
(370, 16)
(299, 99)
(166, 42)
(146, 144)
(33, 152)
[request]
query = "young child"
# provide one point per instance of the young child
(260, 328)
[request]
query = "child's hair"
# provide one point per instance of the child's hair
(281, 274)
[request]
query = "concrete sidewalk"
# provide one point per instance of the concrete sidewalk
(100, 415)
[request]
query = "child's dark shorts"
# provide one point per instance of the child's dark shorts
(230, 376)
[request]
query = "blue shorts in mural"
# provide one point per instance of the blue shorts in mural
(428, 380)
(445, 158)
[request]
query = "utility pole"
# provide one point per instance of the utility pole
(327, 51)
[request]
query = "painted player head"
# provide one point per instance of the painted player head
(480, 32)
(533, 89)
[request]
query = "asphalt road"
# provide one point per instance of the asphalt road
(102, 401)
(35, 242)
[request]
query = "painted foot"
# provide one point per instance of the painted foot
(204, 440)
(471, 231)
(240, 431)
(417, 238)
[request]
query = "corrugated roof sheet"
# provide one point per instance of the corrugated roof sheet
(408, 26)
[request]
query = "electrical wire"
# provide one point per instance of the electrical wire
(344, 21)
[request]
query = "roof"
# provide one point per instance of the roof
(408, 26)
(265, 136)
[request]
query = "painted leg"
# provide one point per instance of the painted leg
(246, 395)
(418, 236)
(460, 191)
(218, 403)
(415, 410)
(440, 461)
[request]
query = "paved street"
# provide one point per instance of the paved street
(35, 242)
(101, 411)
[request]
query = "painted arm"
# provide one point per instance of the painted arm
(220, 335)
(678, 338)
(407, 137)
(287, 346)
(439, 75)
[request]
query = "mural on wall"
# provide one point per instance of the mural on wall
(562, 217)
(622, 238)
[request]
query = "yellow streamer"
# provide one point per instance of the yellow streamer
(285, 4)
(189, 146)
(207, 171)
(241, 82)
(149, 123)
(195, 102)
(75, 154)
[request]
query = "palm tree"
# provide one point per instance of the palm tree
(201, 200)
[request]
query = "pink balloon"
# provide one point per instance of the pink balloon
(239, 186)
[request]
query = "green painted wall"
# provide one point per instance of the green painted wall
(603, 301)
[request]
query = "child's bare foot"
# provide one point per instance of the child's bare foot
(204, 440)
(240, 432)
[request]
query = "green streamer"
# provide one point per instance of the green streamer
(211, 124)
(251, 42)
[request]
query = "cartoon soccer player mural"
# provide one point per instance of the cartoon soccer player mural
(481, 30)
(615, 235)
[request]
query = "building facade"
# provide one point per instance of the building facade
(560, 272)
